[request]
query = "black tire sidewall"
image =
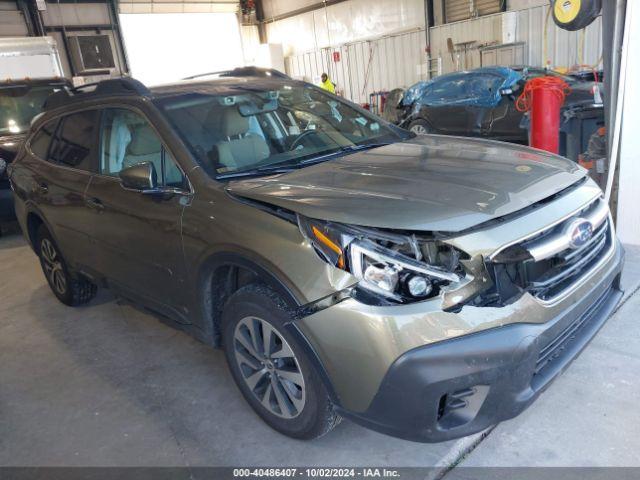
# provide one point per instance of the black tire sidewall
(261, 302)
(67, 298)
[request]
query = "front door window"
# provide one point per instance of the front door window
(127, 140)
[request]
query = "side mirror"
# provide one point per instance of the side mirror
(141, 177)
(3, 166)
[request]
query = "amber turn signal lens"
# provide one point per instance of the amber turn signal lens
(326, 241)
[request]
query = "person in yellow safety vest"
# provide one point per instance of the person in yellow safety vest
(327, 84)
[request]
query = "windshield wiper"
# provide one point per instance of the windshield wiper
(328, 156)
(366, 146)
(255, 171)
(287, 166)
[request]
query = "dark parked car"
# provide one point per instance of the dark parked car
(480, 103)
(425, 286)
(20, 101)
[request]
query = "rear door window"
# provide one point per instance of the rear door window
(74, 142)
(42, 139)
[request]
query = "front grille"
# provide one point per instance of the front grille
(548, 278)
(554, 349)
(547, 264)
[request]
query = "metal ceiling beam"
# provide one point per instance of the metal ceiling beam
(262, 31)
(31, 17)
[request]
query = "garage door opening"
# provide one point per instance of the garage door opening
(165, 47)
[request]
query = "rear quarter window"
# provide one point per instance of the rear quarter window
(75, 140)
(42, 139)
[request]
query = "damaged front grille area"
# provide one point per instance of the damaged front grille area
(548, 278)
(549, 263)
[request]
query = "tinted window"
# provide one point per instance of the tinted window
(74, 140)
(40, 142)
(127, 140)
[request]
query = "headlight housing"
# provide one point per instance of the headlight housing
(394, 267)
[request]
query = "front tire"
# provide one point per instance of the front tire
(271, 368)
(70, 288)
(420, 127)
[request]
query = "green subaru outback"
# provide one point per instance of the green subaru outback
(426, 286)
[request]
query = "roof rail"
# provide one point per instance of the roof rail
(242, 72)
(113, 86)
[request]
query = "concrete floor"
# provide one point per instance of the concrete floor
(108, 385)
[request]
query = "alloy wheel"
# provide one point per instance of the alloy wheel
(52, 265)
(269, 367)
(419, 130)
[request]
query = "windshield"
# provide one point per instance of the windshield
(19, 104)
(255, 131)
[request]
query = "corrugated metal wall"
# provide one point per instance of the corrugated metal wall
(400, 60)
(345, 22)
(484, 30)
(366, 66)
(563, 48)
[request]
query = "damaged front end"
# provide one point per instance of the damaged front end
(395, 268)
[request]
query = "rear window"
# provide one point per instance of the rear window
(73, 144)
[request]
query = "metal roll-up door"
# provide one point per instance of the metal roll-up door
(456, 10)
(487, 7)
(12, 23)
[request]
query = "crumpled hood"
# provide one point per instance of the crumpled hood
(429, 183)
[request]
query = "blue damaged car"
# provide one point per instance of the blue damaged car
(478, 103)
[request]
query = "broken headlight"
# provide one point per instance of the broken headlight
(398, 268)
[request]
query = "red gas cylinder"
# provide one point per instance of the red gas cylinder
(543, 98)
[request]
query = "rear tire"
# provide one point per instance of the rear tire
(69, 287)
(271, 368)
(420, 127)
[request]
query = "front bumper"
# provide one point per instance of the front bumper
(463, 385)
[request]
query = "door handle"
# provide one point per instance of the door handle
(95, 203)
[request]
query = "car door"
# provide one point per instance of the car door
(500, 119)
(65, 161)
(503, 121)
(137, 235)
(447, 107)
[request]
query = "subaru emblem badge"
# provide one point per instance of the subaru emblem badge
(579, 232)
